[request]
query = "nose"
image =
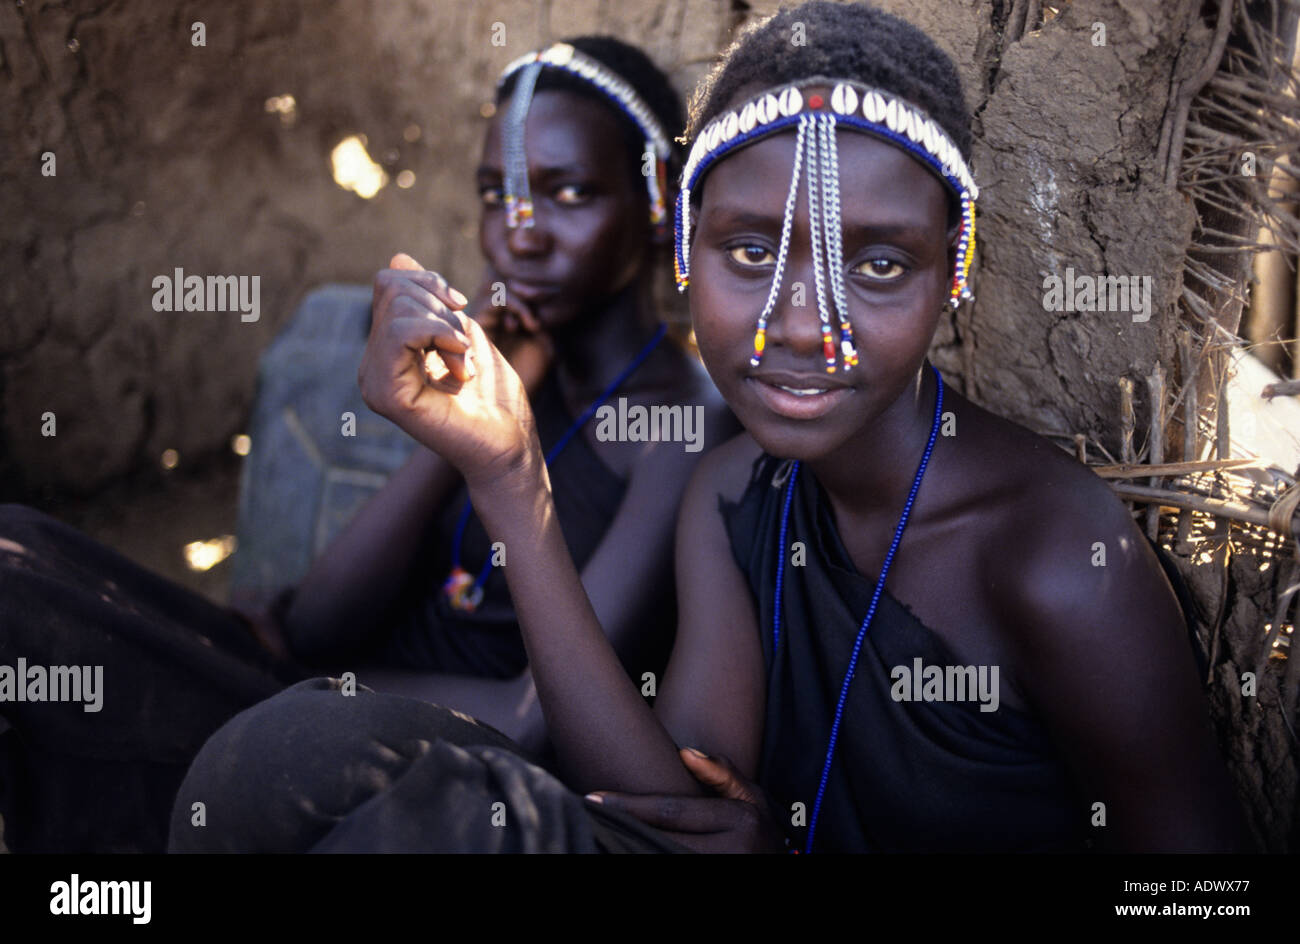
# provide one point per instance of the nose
(795, 322)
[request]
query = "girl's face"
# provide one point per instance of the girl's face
(591, 229)
(898, 267)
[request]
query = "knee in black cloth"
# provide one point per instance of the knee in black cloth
(278, 776)
(21, 527)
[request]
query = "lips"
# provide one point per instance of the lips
(530, 291)
(799, 396)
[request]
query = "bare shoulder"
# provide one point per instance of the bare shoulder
(1096, 637)
(1058, 544)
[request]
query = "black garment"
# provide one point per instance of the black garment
(175, 667)
(315, 770)
(428, 633)
(907, 776)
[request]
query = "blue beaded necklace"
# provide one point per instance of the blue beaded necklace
(875, 596)
(466, 592)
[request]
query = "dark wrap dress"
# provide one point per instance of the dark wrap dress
(428, 633)
(907, 776)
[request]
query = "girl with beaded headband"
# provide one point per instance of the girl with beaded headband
(563, 57)
(573, 188)
(842, 566)
(817, 117)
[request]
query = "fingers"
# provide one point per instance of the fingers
(406, 282)
(720, 775)
(439, 339)
(681, 814)
(527, 319)
(430, 280)
(497, 306)
(430, 288)
(403, 261)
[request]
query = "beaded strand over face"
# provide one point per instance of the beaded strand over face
(858, 108)
(518, 198)
(783, 250)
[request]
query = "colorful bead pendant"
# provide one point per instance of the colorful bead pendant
(846, 346)
(828, 349)
(462, 591)
(519, 212)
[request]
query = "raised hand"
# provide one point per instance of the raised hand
(431, 369)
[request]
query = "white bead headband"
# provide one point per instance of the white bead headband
(858, 108)
(518, 198)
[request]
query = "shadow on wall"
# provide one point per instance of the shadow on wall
(281, 146)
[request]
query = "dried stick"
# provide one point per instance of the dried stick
(1156, 455)
(1220, 508)
(1171, 145)
(1285, 388)
(1127, 422)
(1137, 471)
(1191, 375)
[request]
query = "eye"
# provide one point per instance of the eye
(750, 255)
(882, 269)
(571, 194)
(491, 196)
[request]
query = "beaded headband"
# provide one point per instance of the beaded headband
(562, 56)
(816, 119)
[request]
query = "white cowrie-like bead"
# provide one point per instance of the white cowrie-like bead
(873, 107)
(891, 114)
(913, 126)
(791, 102)
(844, 99)
(768, 109)
(748, 117)
(730, 125)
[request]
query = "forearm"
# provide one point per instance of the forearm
(362, 570)
(605, 735)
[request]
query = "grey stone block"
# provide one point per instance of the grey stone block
(304, 478)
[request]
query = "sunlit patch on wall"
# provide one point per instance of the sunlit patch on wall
(355, 170)
(204, 555)
(283, 105)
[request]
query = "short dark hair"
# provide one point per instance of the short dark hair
(636, 69)
(841, 40)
